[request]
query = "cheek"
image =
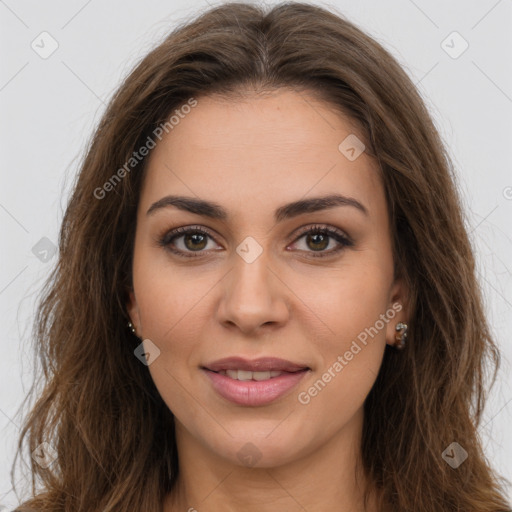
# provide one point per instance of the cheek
(169, 298)
(354, 312)
(346, 300)
(170, 307)
(351, 360)
(335, 397)
(171, 320)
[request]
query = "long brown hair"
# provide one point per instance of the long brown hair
(99, 408)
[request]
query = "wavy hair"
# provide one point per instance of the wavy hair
(98, 406)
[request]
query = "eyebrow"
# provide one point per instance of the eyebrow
(215, 211)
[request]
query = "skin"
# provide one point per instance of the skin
(252, 156)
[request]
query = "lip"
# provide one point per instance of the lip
(262, 364)
(254, 393)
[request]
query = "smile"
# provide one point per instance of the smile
(247, 375)
(252, 393)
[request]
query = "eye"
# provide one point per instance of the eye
(318, 238)
(185, 241)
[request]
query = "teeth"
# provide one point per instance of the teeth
(245, 375)
(261, 375)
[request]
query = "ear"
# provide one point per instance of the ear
(398, 309)
(133, 311)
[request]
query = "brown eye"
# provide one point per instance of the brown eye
(186, 241)
(195, 241)
(318, 238)
(317, 241)
(192, 241)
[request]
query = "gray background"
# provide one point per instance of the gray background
(49, 107)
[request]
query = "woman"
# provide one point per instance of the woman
(266, 296)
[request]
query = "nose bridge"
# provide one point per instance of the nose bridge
(251, 271)
(252, 294)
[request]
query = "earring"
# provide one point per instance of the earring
(132, 328)
(400, 338)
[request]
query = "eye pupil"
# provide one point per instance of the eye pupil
(196, 238)
(314, 237)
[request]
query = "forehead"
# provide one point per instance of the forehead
(247, 151)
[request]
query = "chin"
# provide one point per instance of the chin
(258, 450)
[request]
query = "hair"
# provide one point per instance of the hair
(99, 408)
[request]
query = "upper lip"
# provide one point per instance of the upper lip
(262, 364)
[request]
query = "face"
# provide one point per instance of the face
(302, 295)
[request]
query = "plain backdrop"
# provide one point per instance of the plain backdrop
(50, 104)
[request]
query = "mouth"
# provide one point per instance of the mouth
(245, 375)
(260, 365)
(254, 382)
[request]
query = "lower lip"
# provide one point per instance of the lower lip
(252, 392)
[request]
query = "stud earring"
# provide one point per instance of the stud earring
(132, 328)
(401, 337)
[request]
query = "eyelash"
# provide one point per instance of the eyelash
(166, 240)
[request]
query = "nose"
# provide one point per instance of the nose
(253, 296)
